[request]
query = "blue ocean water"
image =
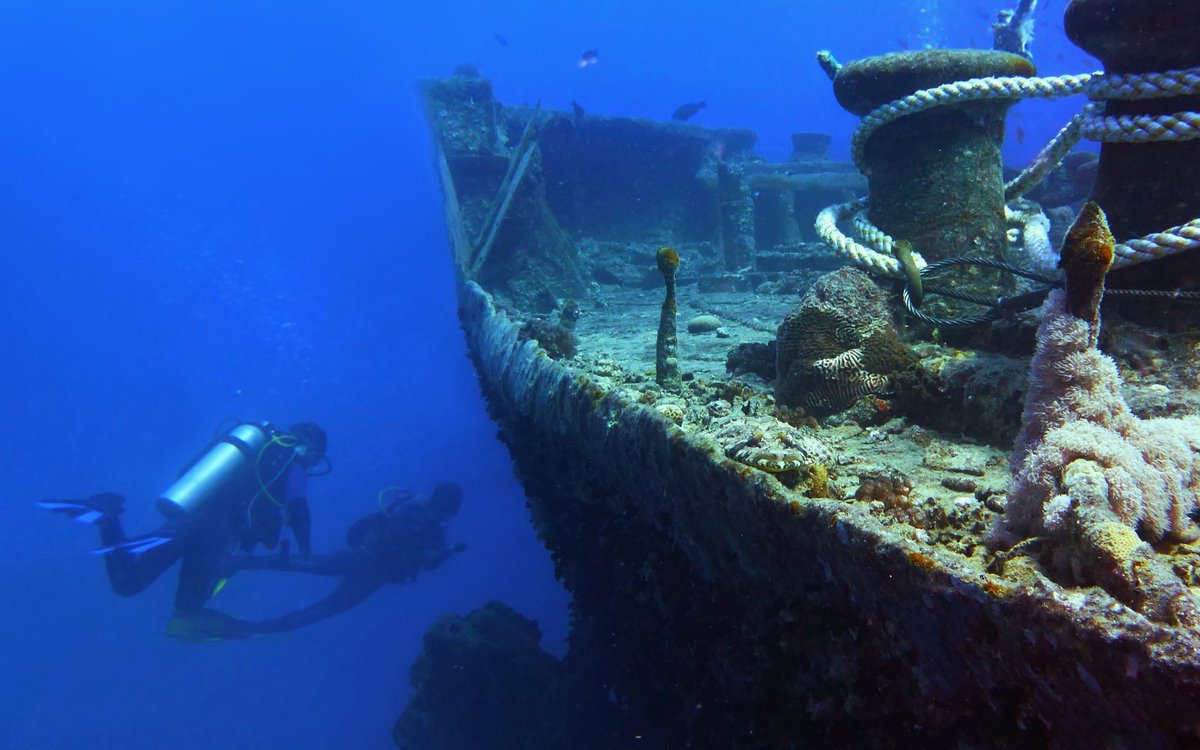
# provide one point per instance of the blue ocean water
(221, 209)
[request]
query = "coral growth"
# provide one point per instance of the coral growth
(770, 445)
(891, 488)
(483, 681)
(1088, 475)
(556, 336)
(754, 358)
(838, 344)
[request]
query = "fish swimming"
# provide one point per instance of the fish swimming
(589, 57)
(685, 112)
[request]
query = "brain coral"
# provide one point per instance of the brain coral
(836, 345)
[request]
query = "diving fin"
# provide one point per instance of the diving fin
(135, 546)
(207, 626)
(71, 509)
(90, 510)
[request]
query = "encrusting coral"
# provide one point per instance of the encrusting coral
(797, 456)
(1100, 484)
(555, 335)
(770, 445)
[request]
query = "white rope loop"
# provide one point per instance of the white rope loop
(1090, 123)
(1169, 83)
(1176, 127)
(1183, 238)
(971, 90)
(875, 237)
(860, 255)
(1048, 158)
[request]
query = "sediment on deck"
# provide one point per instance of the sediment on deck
(725, 611)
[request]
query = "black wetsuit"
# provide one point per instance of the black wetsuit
(382, 548)
(245, 519)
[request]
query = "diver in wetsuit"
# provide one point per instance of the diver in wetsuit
(392, 545)
(239, 493)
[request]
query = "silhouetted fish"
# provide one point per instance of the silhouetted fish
(578, 110)
(686, 111)
(502, 40)
(589, 57)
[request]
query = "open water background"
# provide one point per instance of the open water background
(219, 208)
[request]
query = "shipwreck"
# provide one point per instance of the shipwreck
(789, 512)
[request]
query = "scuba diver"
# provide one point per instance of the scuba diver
(239, 492)
(391, 545)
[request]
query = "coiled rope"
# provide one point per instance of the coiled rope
(971, 90)
(1089, 123)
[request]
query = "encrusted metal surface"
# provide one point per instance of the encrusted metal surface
(725, 610)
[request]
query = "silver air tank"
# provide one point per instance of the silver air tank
(232, 460)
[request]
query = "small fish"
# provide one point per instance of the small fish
(589, 57)
(684, 112)
(1020, 134)
(903, 250)
(578, 110)
(502, 40)
(902, 44)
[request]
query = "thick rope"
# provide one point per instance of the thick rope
(971, 90)
(1183, 238)
(1090, 123)
(1178, 126)
(1047, 159)
(858, 254)
(1097, 86)
(878, 258)
(871, 234)
(1169, 83)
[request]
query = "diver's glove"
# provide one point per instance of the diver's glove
(208, 626)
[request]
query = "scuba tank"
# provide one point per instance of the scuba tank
(237, 464)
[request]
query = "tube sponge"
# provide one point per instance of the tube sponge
(1090, 476)
(666, 357)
